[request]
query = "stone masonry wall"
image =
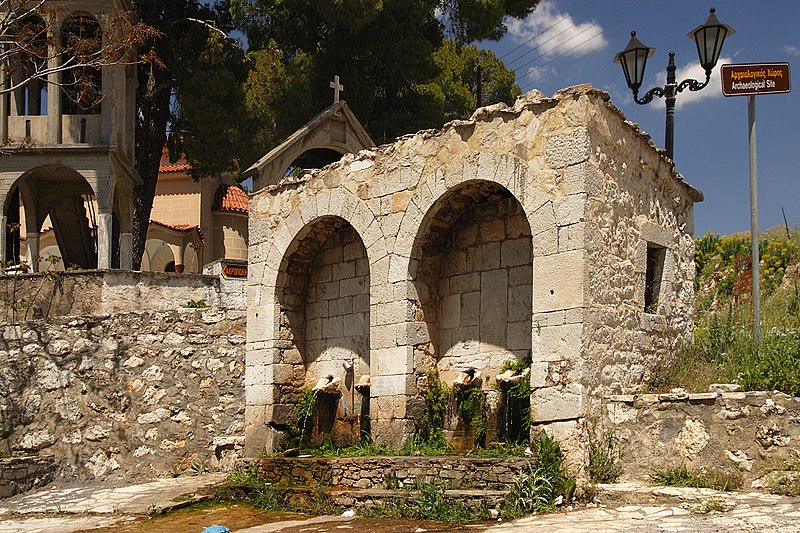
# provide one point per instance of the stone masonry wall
(632, 203)
(622, 199)
(485, 291)
(124, 396)
(753, 432)
(390, 472)
(95, 292)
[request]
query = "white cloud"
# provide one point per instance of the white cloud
(552, 33)
(535, 74)
(694, 71)
(791, 50)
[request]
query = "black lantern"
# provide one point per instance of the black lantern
(709, 39)
(633, 60)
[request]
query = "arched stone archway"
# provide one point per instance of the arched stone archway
(66, 197)
(322, 294)
(473, 274)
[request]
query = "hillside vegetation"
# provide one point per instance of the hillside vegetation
(724, 350)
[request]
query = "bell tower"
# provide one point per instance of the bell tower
(70, 133)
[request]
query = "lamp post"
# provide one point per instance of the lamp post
(708, 37)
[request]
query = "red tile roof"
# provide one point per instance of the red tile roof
(175, 168)
(185, 228)
(178, 166)
(230, 198)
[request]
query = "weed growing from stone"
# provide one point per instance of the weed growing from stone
(785, 485)
(713, 478)
(604, 457)
(708, 506)
(471, 407)
(427, 500)
(518, 399)
(437, 400)
(544, 485)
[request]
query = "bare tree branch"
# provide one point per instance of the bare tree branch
(33, 48)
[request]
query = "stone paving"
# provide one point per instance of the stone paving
(618, 508)
(669, 509)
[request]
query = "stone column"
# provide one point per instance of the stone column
(104, 242)
(3, 224)
(53, 96)
(126, 251)
(179, 258)
(3, 112)
(32, 242)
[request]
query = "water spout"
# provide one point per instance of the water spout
(328, 385)
(467, 378)
(363, 385)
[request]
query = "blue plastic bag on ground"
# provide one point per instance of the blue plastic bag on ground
(216, 529)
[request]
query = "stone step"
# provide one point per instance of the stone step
(367, 497)
(458, 472)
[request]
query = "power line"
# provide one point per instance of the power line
(528, 85)
(568, 28)
(562, 19)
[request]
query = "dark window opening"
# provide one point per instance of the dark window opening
(82, 39)
(653, 276)
(31, 40)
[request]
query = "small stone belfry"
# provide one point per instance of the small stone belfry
(78, 170)
(551, 234)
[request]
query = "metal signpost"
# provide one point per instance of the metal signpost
(751, 80)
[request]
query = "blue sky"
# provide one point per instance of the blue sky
(568, 42)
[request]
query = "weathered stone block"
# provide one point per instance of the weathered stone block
(559, 281)
(392, 361)
(567, 149)
(558, 403)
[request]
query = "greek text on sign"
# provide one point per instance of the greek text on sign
(234, 271)
(755, 78)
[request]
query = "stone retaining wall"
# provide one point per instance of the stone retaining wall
(97, 292)
(124, 396)
(753, 432)
(18, 474)
(389, 472)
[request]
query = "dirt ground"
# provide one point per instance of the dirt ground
(195, 518)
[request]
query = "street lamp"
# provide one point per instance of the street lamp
(708, 38)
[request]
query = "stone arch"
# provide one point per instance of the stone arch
(67, 198)
(322, 294)
(340, 203)
(266, 416)
(506, 170)
(158, 253)
(470, 272)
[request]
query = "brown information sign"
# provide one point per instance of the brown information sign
(234, 271)
(755, 78)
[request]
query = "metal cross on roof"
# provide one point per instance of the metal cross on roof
(337, 87)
